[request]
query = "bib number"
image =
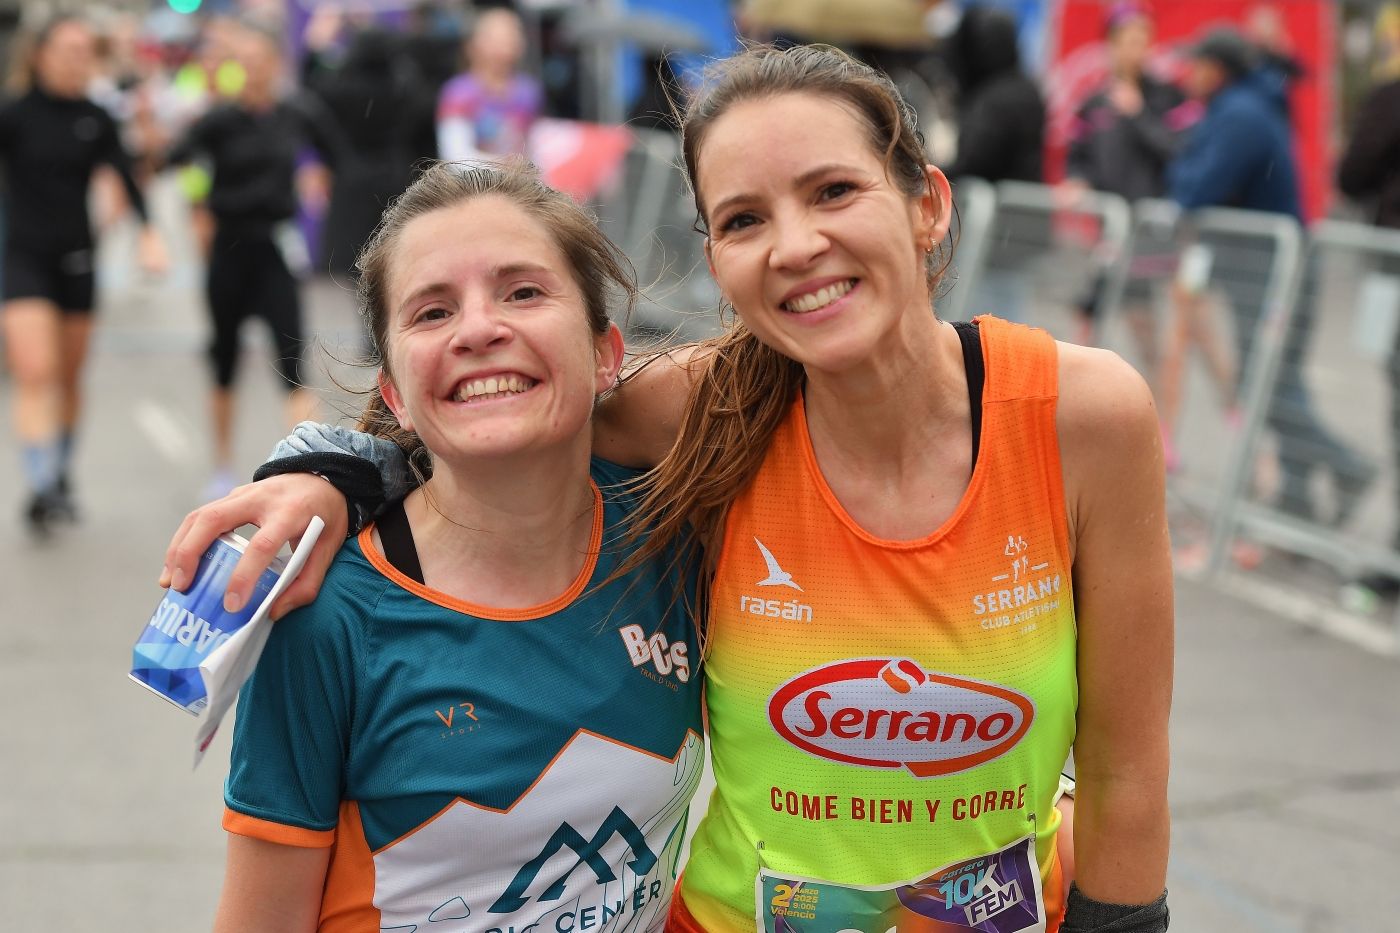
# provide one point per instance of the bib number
(994, 893)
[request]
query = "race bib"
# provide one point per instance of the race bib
(995, 893)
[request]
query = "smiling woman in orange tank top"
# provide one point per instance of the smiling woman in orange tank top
(937, 554)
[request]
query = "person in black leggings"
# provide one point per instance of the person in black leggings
(252, 145)
(52, 138)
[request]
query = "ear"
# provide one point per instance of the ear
(710, 259)
(393, 400)
(935, 207)
(608, 352)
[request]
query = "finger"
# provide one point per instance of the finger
(205, 525)
(304, 588)
(257, 556)
(173, 547)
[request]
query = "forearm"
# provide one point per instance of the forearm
(1122, 834)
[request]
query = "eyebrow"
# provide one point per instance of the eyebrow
(799, 182)
(436, 288)
(497, 272)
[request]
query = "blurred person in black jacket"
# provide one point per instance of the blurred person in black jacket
(1369, 172)
(1123, 136)
(1001, 113)
(383, 111)
(1001, 137)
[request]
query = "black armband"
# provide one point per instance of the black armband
(353, 477)
(1086, 915)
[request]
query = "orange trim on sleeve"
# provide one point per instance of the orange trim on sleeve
(241, 824)
(347, 903)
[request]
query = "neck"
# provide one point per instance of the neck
(494, 78)
(507, 533)
(257, 100)
(885, 415)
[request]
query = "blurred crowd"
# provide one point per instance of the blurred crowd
(295, 125)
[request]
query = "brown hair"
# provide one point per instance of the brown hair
(598, 267)
(747, 387)
(23, 74)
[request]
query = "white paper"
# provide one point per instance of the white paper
(1193, 272)
(228, 666)
(1377, 317)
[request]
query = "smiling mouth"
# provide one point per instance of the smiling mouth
(815, 301)
(493, 387)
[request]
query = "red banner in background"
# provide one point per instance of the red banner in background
(1079, 65)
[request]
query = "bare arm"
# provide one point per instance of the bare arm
(637, 423)
(271, 887)
(1115, 491)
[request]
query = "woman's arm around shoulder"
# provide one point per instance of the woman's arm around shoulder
(636, 424)
(268, 886)
(1110, 444)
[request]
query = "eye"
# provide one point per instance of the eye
(738, 222)
(430, 314)
(525, 293)
(836, 190)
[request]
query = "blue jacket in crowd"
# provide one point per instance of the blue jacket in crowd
(1240, 154)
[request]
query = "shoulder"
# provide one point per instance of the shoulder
(528, 88)
(344, 607)
(459, 89)
(1107, 425)
(1094, 102)
(92, 108)
(1100, 393)
(217, 117)
(1385, 96)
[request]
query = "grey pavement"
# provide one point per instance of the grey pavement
(1286, 771)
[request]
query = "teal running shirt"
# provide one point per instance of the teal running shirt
(501, 770)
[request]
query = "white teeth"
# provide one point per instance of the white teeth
(819, 298)
(493, 386)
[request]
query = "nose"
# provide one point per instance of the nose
(796, 241)
(480, 325)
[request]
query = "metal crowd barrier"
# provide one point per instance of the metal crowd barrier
(1321, 401)
(976, 203)
(651, 215)
(1188, 302)
(1034, 235)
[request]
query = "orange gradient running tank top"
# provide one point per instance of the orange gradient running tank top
(889, 719)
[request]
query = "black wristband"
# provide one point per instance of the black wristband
(1086, 915)
(353, 477)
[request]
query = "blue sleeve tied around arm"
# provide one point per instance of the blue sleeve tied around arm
(354, 477)
(1086, 915)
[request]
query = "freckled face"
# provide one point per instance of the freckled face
(488, 342)
(817, 249)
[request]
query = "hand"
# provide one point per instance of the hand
(281, 507)
(1126, 97)
(151, 253)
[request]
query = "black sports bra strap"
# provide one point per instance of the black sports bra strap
(976, 377)
(396, 537)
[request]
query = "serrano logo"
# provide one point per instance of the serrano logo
(883, 713)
